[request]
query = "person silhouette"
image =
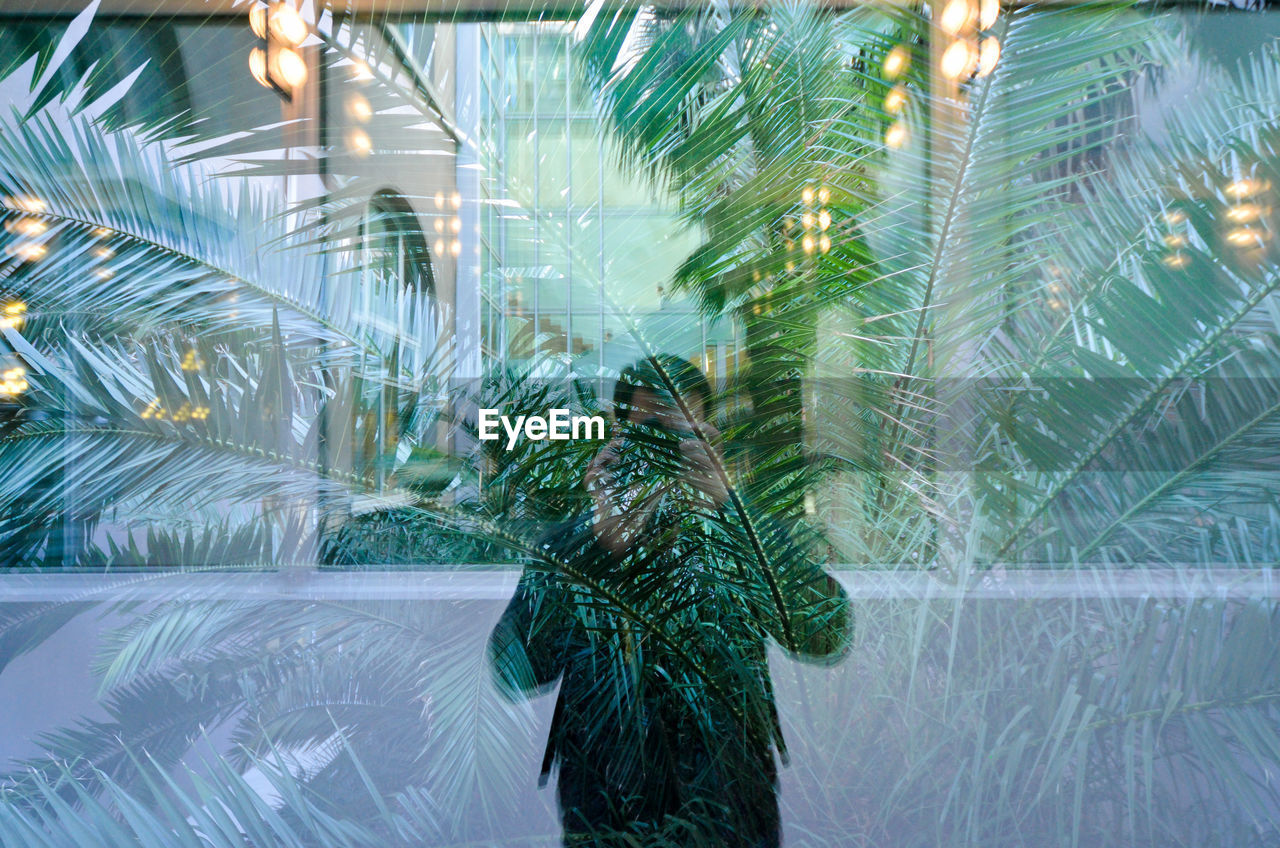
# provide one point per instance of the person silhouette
(656, 625)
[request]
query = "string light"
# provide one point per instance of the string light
(13, 315)
(1174, 217)
(958, 59)
(1244, 213)
(895, 100)
(28, 251)
(27, 227)
(286, 24)
(989, 10)
(988, 55)
(1176, 261)
(455, 200)
(1247, 188)
(896, 136)
(358, 107)
(824, 219)
(824, 195)
(360, 71)
(955, 16)
(806, 196)
(360, 142)
(258, 20)
(1245, 237)
(896, 61)
(289, 67)
(1175, 240)
(13, 382)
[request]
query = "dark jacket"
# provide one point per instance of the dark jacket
(665, 722)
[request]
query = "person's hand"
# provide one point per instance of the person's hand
(617, 518)
(702, 457)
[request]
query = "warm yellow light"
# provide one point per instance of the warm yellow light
(807, 220)
(1174, 217)
(258, 66)
(439, 199)
(289, 67)
(988, 55)
(286, 24)
(1244, 213)
(14, 381)
(808, 244)
(1176, 260)
(456, 247)
(1247, 188)
(33, 205)
(896, 136)
(360, 142)
(896, 61)
(1245, 237)
(104, 273)
(806, 196)
(1175, 240)
(258, 20)
(455, 224)
(104, 252)
(824, 243)
(360, 71)
(955, 16)
(439, 246)
(824, 195)
(824, 219)
(989, 10)
(957, 60)
(1054, 303)
(455, 200)
(15, 307)
(895, 100)
(29, 251)
(439, 225)
(358, 107)
(27, 227)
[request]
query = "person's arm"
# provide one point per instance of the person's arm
(527, 646)
(809, 614)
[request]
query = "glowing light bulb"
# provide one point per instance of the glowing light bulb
(988, 55)
(439, 246)
(28, 251)
(1175, 240)
(104, 253)
(1247, 188)
(27, 227)
(286, 24)
(824, 219)
(988, 11)
(358, 107)
(1174, 217)
(824, 195)
(1244, 213)
(957, 60)
(1245, 237)
(955, 16)
(455, 247)
(258, 20)
(360, 142)
(896, 136)
(290, 68)
(455, 200)
(360, 71)
(808, 244)
(824, 243)
(806, 196)
(104, 273)
(896, 61)
(102, 232)
(895, 100)
(807, 220)
(1176, 261)
(439, 225)
(455, 224)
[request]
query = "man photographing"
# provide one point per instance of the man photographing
(654, 612)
